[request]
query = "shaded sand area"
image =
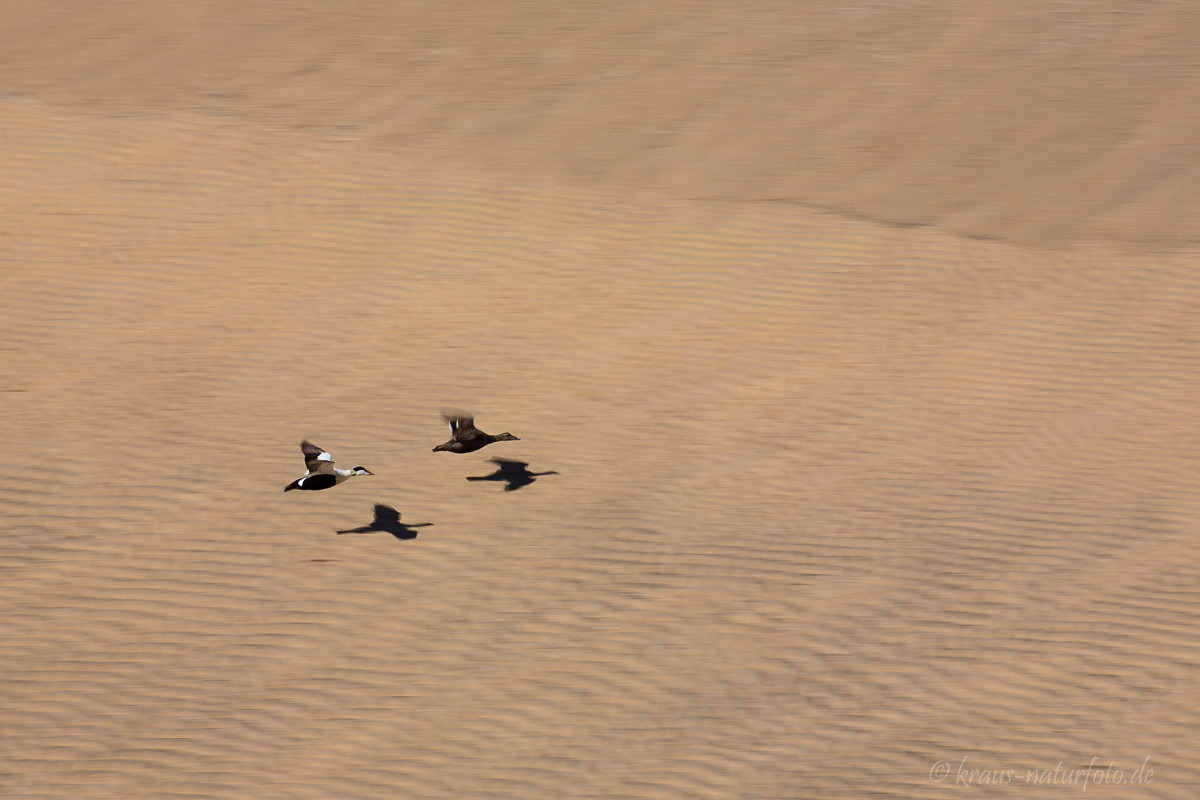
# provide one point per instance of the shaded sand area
(836, 498)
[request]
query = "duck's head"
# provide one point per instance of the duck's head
(361, 471)
(506, 437)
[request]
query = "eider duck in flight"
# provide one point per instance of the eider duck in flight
(465, 437)
(321, 472)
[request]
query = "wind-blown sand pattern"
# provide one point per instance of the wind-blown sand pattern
(836, 498)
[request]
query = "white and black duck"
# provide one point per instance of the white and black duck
(321, 473)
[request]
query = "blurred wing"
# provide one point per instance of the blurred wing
(462, 425)
(385, 515)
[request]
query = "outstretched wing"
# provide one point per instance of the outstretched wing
(317, 461)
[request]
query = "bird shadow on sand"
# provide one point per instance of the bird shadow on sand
(514, 473)
(387, 520)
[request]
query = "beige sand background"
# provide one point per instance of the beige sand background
(862, 337)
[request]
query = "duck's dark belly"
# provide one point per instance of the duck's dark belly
(315, 482)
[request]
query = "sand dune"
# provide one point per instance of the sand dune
(1039, 122)
(836, 498)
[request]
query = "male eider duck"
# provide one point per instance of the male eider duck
(465, 437)
(321, 472)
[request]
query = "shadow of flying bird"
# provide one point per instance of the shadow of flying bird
(514, 473)
(387, 520)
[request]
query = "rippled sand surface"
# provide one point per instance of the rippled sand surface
(860, 340)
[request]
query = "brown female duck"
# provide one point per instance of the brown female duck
(465, 437)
